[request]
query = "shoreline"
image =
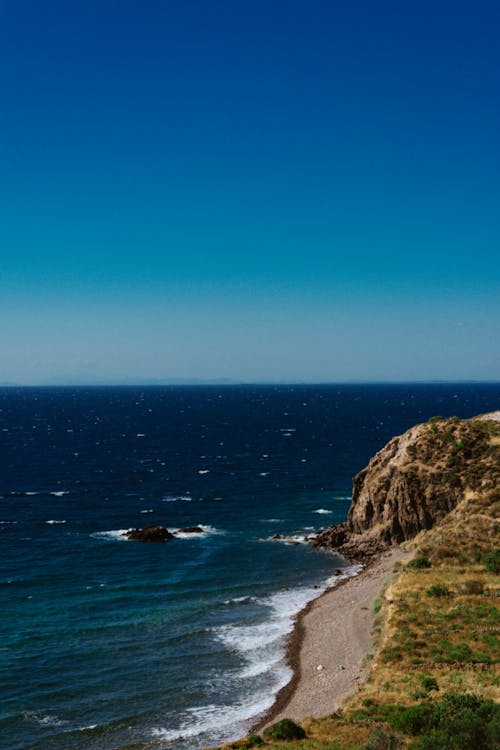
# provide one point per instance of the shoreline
(328, 646)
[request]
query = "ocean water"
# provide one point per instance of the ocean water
(108, 644)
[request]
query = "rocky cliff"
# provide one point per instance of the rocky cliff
(415, 480)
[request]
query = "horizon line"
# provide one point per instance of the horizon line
(188, 383)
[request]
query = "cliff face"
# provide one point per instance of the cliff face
(415, 480)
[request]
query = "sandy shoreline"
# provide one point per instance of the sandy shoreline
(328, 647)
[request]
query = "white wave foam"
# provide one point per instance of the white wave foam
(148, 510)
(204, 471)
(323, 511)
(349, 572)
(262, 645)
(221, 722)
(34, 493)
(115, 534)
(286, 604)
(54, 521)
(300, 538)
(46, 720)
(240, 600)
(52, 721)
(256, 669)
(290, 538)
(248, 638)
(207, 531)
(177, 498)
(264, 474)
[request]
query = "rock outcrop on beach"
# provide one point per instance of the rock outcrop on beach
(149, 534)
(414, 481)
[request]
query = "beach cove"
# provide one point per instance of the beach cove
(330, 647)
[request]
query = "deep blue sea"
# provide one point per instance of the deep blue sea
(109, 644)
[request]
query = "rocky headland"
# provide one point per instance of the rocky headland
(414, 482)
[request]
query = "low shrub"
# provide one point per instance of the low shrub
(447, 653)
(254, 740)
(414, 719)
(464, 730)
(285, 729)
(458, 722)
(429, 683)
(419, 694)
(438, 590)
(381, 740)
(491, 561)
(419, 562)
(391, 653)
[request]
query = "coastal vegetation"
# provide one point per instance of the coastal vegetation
(434, 681)
(286, 729)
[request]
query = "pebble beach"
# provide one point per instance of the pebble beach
(329, 647)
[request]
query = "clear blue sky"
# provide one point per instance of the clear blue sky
(252, 190)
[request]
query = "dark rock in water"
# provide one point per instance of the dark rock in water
(277, 536)
(191, 530)
(149, 534)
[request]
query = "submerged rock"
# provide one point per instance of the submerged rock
(149, 534)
